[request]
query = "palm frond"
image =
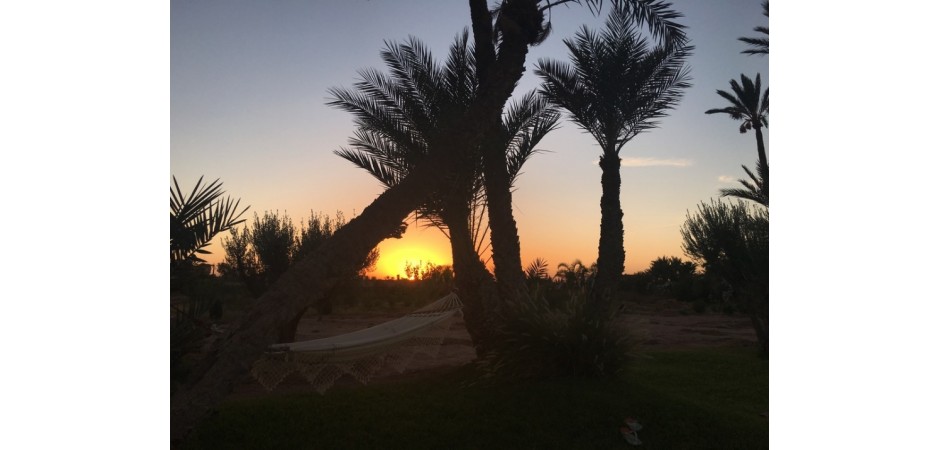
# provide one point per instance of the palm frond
(746, 194)
(659, 18)
(759, 45)
(197, 218)
(756, 189)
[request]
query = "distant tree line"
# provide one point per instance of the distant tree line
(259, 254)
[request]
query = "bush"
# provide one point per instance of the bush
(537, 339)
(195, 307)
(259, 255)
(731, 240)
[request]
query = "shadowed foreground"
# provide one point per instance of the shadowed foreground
(706, 398)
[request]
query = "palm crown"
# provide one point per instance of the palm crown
(618, 86)
(411, 113)
(753, 109)
(197, 218)
(747, 104)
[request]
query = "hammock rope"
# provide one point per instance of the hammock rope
(360, 354)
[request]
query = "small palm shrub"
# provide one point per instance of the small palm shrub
(539, 338)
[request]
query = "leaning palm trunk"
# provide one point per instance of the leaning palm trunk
(610, 254)
(303, 284)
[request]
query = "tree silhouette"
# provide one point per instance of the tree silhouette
(501, 43)
(615, 88)
(197, 218)
(575, 275)
(759, 45)
(753, 110)
(501, 40)
(731, 241)
(413, 112)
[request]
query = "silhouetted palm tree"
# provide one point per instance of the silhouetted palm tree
(197, 218)
(414, 112)
(501, 40)
(616, 88)
(500, 51)
(575, 275)
(753, 109)
(759, 45)
(756, 190)
(537, 270)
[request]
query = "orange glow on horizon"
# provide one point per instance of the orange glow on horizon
(417, 246)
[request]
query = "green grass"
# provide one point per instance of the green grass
(701, 399)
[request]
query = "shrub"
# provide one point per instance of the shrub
(537, 339)
(273, 241)
(195, 220)
(259, 255)
(732, 242)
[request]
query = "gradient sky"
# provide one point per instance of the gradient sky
(249, 83)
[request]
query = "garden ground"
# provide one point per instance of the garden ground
(697, 384)
(658, 325)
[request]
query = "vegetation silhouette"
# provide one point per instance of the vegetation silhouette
(537, 270)
(258, 255)
(576, 275)
(731, 241)
(501, 42)
(753, 109)
(759, 45)
(414, 112)
(197, 218)
(615, 88)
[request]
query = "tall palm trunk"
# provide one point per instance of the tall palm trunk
(303, 284)
(504, 235)
(610, 252)
(498, 72)
(475, 285)
(763, 166)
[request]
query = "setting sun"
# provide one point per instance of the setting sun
(417, 247)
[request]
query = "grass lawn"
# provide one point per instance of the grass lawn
(691, 399)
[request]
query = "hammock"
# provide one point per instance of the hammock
(361, 353)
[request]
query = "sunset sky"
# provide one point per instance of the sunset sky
(95, 92)
(249, 83)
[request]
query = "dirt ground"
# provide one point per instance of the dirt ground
(659, 325)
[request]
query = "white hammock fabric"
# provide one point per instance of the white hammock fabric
(361, 353)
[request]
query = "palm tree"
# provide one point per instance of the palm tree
(615, 89)
(753, 110)
(197, 218)
(501, 39)
(756, 190)
(759, 45)
(499, 52)
(537, 270)
(412, 113)
(576, 274)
